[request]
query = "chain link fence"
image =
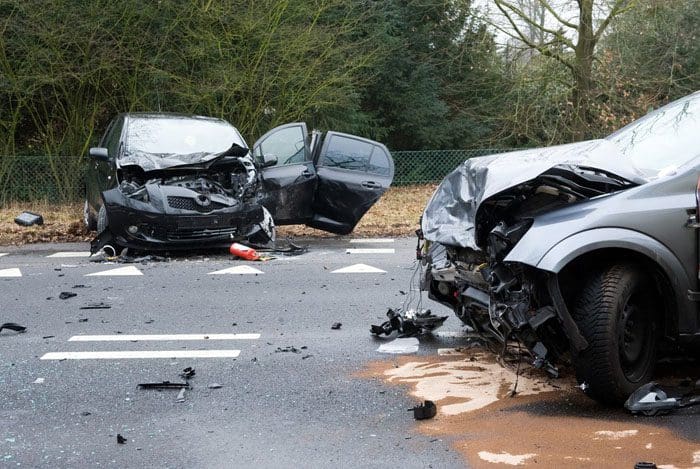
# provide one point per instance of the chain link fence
(61, 178)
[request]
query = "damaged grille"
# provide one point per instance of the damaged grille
(186, 203)
(184, 234)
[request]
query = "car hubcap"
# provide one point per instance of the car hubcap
(634, 339)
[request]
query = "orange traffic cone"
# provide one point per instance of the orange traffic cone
(244, 252)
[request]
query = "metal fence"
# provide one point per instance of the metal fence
(61, 178)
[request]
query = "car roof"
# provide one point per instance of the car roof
(169, 115)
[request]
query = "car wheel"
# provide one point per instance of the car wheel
(615, 313)
(101, 220)
(90, 222)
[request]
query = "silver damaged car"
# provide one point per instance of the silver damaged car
(585, 253)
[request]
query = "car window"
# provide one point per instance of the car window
(665, 139)
(287, 144)
(379, 162)
(112, 139)
(347, 153)
(180, 136)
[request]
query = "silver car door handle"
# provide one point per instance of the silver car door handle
(371, 185)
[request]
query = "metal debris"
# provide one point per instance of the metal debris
(651, 399)
(13, 327)
(336, 326)
(425, 411)
(164, 385)
(187, 373)
(29, 219)
(121, 440)
(215, 386)
(408, 324)
(100, 305)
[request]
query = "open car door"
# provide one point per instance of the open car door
(327, 183)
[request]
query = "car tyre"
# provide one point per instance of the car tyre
(615, 313)
(101, 220)
(90, 222)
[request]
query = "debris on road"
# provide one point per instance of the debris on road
(288, 348)
(180, 396)
(164, 385)
(400, 346)
(652, 399)
(13, 327)
(187, 373)
(99, 305)
(425, 411)
(215, 386)
(29, 219)
(645, 465)
(121, 440)
(67, 294)
(244, 252)
(336, 326)
(408, 324)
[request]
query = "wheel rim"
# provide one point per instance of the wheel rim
(636, 335)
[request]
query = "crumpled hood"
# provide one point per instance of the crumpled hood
(156, 161)
(449, 216)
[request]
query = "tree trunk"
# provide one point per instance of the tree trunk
(583, 68)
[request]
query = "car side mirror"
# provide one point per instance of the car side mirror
(269, 160)
(99, 153)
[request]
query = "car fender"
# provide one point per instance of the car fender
(568, 249)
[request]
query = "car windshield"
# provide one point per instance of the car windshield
(180, 136)
(663, 140)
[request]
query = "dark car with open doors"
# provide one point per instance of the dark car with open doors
(584, 253)
(167, 181)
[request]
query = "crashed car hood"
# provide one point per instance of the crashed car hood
(449, 216)
(156, 161)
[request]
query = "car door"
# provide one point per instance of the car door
(353, 173)
(101, 174)
(288, 186)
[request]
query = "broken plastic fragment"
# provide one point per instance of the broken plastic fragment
(425, 411)
(67, 294)
(187, 373)
(409, 323)
(29, 219)
(121, 440)
(336, 326)
(651, 399)
(164, 385)
(13, 327)
(215, 386)
(99, 305)
(180, 396)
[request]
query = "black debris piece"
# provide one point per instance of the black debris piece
(306, 356)
(83, 319)
(336, 326)
(425, 411)
(86, 414)
(652, 399)
(288, 348)
(67, 294)
(48, 337)
(80, 286)
(13, 327)
(29, 219)
(645, 465)
(99, 305)
(164, 385)
(215, 386)
(290, 249)
(121, 440)
(408, 324)
(187, 373)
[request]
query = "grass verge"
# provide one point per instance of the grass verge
(396, 214)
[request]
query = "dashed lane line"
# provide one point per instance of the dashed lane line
(118, 272)
(147, 337)
(359, 269)
(370, 251)
(9, 273)
(238, 270)
(124, 354)
(70, 254)
(371, 240)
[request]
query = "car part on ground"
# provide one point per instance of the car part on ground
(409, 323)
(29, 219)
(425, 411)
(13, 327)
(652, 399)
(584, 253)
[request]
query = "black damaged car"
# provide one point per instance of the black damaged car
(167, 181)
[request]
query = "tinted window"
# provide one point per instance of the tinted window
(287, 144)
(183, 136)
(111, 142)
(664, 139)
(347, 153)
(379, 162)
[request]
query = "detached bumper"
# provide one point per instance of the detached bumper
(157, 225)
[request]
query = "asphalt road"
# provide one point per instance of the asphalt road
(294, 392)
(276, 408)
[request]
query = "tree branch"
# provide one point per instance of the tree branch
(503, 4)
(620, 7)
(551, 10)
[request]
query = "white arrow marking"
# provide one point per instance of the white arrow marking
(10, 273)
(370, 251)
(238, 270)
(372, 240)
(3, 253)
(70, 254)
(146, 337)
(119, 272)
(359, 269)
(142, 354)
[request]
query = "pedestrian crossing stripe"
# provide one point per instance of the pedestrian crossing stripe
(238, 270)
(147, 337)
(118, 272)
(3, 253)
(359, 269)
(370, 251)
(67, 254)
(371, 240)
(128, 354)
(14, 272)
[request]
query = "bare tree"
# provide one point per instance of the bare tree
(571, 42)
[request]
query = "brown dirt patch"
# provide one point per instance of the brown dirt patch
(548, 427)
(395, 214)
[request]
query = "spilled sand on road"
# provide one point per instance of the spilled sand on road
(548, 423)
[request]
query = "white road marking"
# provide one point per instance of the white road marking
(146, 337)
(370, 251)
(371, 240)
(116, 355)
(118, 272)
(359, 269)
(38, 381)
(70, 254)
(404, 345)
(238, 270)
(15, 272)
(3, 253)
(456, 335)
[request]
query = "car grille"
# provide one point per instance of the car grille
(200, 233)
(186, 203)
